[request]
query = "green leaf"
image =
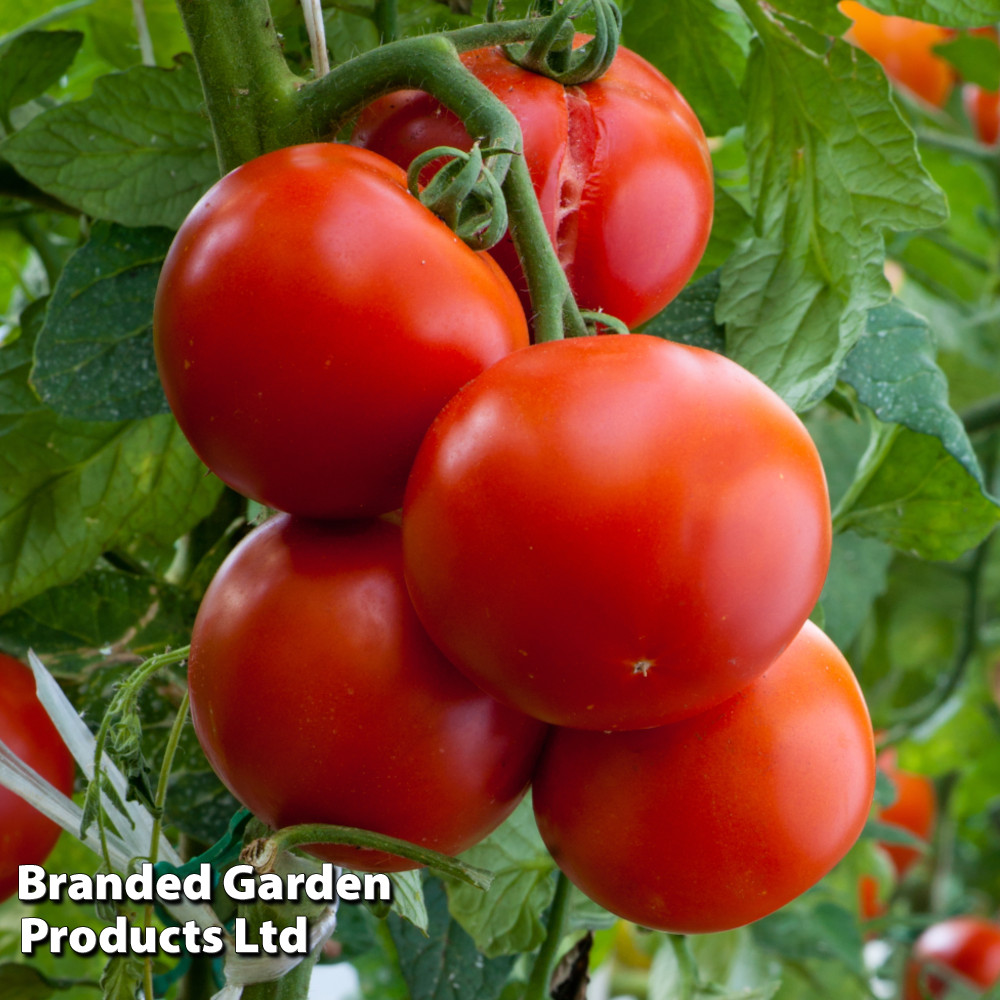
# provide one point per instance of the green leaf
(444, 964)
(858, 574)
(33, 62)
(668, 979)
(139, 151)
(893, 371)
(832, 164)
(890, 833)
(976, 58)
(122, 978)
(94, 357)
(505, 919)
(912, 494)
(23, 982)
(950, 13)
(731, 226)
(408, 898)
(701, 46)
(690, 318)
(820, 14)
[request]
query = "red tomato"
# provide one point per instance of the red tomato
(983, 110)
(311, 319)
(620, 166)
(26, 836)
(904, 48)
(915, 809)
(964, 950)
(318, 698)
(713, 822)
(615, 532)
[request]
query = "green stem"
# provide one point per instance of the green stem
(249, 89)
(548, 954)
(386, 20)
(321, 833)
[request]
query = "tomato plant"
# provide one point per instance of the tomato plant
(26, 836)
(728, 815)
(961, 950)
(311, 318)
(318, 698)
(904, 47)
(616, 163)
(614, 532)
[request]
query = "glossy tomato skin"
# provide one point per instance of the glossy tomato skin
(915, 810)
(615, 532)
(26, 836)
(904, 48)
(716, 821)
(311, 319)
(620, 166)
(318, 697)
(965, 948)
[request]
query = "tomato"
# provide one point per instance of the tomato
(982, 108)
(614, 532)
(620, 166)
(904, 48)
(718, 820)
(318, 697)
(26, 836)
(965, 950)
(915, 809)
(311, 319)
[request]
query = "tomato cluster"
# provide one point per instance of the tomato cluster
(608, 546)
(26, 836)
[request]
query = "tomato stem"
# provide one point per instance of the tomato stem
(545, 960)
(320, 833)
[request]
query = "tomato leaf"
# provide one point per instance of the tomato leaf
(444, 964)
(858, 574)
(701, 47)
(33, 62)
(71, 490)
(977, 59)
(951, 13)
(818, 13)
(832, 164)
(138, 151)
(690, 318)
(893, 371)
(505, 919)
(408, 898)
(94, 356)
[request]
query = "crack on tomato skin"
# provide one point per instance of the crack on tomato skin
(574, 172)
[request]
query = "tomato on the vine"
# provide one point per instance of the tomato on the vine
(963, 950)
(615, 532)
(318, 698)
(982, 107)
(620, 166)
(905, 49)
(720, 819)
(26, 836)
(311, 319)
(914, 809)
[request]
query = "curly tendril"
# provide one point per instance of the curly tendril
(465, 193)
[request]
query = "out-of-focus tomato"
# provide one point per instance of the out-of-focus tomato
(965, 950)
(620, 166)
(983, 110)
(26, 836)
(615, 532)
(311, 318)
(318, 698)
(915, 809)
(713, 822)
(904, 48)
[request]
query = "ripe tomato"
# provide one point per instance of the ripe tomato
(614, 532)
(318, 697)
(620, 166)
(983, 110)
(26, 836)
(904, 48)
(713, 822)
(915, 809)
(963, 950)
(311, 319)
